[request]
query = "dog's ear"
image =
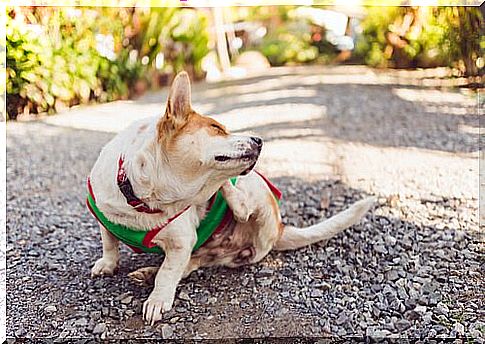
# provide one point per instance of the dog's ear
(178, 106)
(179, 103)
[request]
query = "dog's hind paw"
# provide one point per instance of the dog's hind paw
(144, 276)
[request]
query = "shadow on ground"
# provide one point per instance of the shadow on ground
(357, 105)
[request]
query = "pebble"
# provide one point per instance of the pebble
(20, 332)
(184, 296)
(377, 332)
(420, 309)
(442, 308)
(127, 300)
(316, 293)
(81, 322)
(51, 309)
(99, 328)
(392, 275)
(167, 331)
(459, 329)
(402, 325)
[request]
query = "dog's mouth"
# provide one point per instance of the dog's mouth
(249, 169)
(253, 156)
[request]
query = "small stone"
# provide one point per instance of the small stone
(390, 240)
(20, 332)
(96, 315)
(420, 309)
(316, 293)
(122, 296)
(265, 272)
(184, 296)
(442, 308)
(167, 331)
(51, 309)
(380, 249)
(375, 332)
(280, 312)
(265, 281)
(342, 319)
(434, 298)
(81, 322)
(459, 329)
(412, 315)
(127, 300)
(392, 275)
(99, 328)
(402, 324)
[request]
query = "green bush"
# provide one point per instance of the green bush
(436, 36)
(291, 45)
(62, 65)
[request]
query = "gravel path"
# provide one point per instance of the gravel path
(412, 268)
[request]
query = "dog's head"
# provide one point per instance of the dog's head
(197, 147)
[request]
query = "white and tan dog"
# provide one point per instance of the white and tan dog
(175, 164)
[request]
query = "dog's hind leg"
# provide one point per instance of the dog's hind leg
(146, 276)
(237, 200)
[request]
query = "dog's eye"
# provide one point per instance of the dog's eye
(218, 128)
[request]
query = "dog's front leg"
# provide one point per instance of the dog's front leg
(107, 264)
(178, 249)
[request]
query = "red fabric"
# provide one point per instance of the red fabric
(271, 186)
(225, 220)
(147, 240)
(135, 249)
(136, 203)
(90, 189)
(121, 171)
(91, 210)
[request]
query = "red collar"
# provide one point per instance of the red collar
(126, 189)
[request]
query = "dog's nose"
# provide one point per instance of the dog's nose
(257, 140)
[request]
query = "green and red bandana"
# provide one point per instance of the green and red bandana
(218, 216)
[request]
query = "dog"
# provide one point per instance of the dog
(155, 183)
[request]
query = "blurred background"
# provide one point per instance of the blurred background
(58, 57)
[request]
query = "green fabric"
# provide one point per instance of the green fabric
(134, 238)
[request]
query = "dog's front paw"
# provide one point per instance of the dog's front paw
(104, 267)
(155, 306)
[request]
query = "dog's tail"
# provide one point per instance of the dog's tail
(294, 238)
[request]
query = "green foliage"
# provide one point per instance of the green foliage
(289, 45)
(56, 60)
(188, 45)
(436, 36)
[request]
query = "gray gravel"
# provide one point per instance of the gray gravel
(412, 268)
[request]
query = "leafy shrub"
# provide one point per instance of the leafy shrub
(420, 37)
(63, 57)
(289, 45)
